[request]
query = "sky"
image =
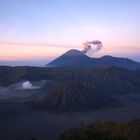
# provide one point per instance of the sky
(34, 32)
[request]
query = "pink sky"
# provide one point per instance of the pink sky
(124, 43)
(29, 50)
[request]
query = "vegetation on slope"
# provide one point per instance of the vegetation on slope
(105, 131)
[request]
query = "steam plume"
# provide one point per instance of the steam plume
(91, 47)
(27, 85)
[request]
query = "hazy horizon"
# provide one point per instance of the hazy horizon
(43, 62)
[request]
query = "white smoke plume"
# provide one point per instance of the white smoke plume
(27, 85)
(90, 47)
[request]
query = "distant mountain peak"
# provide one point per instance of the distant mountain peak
(71, 58)
(73, 52)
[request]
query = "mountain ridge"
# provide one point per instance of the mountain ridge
(75, 58)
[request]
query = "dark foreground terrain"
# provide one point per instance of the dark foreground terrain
(60, 103)
(105, 131)
(17, 119)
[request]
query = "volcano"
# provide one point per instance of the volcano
(75, 58)
(68, 97)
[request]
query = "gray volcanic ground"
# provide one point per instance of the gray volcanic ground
(18, 119)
